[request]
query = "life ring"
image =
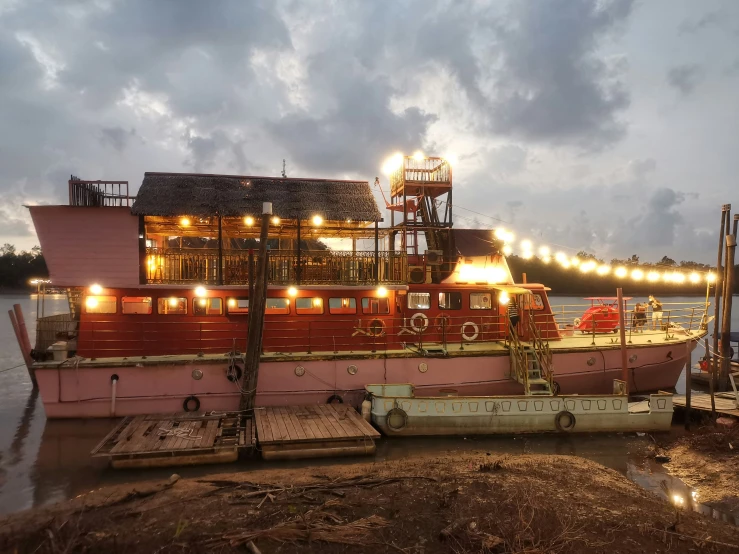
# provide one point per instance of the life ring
(569, 421)
(396, 419)
(475, 331)
(577, 321)
(188, 400)
(424, 322)
(234, 373)
(335, 398)
(376, 327)
(441, 322)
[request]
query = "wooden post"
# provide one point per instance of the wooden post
(23, 345)
(256, 319)
(688, 385)
(298, 269)
(622, 333)
(377, 253)
(219, 272)
(250, 276)
(719, 289)
(726, 320)
(523, 277)
(711, 377)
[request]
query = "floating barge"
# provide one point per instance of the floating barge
(397, 411)
(296, 432)
(176, 439)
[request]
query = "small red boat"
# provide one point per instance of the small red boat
(601, 316)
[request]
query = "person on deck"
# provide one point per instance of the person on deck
(656, 306)
(640, 317)
(513, 311)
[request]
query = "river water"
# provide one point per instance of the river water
(44, 461)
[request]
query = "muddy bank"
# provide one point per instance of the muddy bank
(469, 502)
(707, 459)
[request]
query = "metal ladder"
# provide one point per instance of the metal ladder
(526, 367)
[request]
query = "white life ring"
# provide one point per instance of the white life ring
(424, 322)
(475, 331)
(577, 321)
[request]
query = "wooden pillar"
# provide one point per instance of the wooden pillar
(688, 384)
(377, 252)
(142, 251)
(299, 268)
(257, 305)
(21, 335)
(726, 320)
(219, 270)
(719, 290)
(622, 333)
(523, 277)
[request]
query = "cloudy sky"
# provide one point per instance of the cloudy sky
(609, 126)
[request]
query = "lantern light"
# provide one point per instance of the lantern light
(621, 272)
(652, 276)
(544, 251)
(603, 270)
(91, 302)
(637, 275)
(504, 298)
(292, 291)
(393, 163)
(173, 302)
(507, 250)
(418, 156)
(711, 277)
(96, 289)
(185, 221)
(200, 291)
(275, 220)
(381, 292)
(249, 221)
(317, 220)
(526, 244)
(695, 278)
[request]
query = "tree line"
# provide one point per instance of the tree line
(571, 281)
(16, 268)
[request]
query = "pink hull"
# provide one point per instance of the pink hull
(87, 392)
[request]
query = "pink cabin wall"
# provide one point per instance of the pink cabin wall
(84, 245)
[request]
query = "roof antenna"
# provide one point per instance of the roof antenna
(284, 175)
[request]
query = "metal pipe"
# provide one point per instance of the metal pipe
(113, 387)
(622, 333)
(719, 289)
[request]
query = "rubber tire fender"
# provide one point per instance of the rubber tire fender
(334, 398)
(396, 412)
(186, 404)
(558, 421)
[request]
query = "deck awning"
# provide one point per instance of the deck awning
(511, 289)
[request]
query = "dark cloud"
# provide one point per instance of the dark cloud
(116, 137)
(685, 77)
(705, 21)
(553, 85)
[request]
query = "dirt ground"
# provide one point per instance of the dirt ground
(707, 459)
(473, 502)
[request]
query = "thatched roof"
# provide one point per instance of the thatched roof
(200, 195)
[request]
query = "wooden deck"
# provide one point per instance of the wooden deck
(293, 432)
(187, 438)
(725, 402)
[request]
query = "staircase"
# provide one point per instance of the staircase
(531, 364)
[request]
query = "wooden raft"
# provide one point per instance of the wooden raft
(725, 402)
(187, 438)
(294, 432)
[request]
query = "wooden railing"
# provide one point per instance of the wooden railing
(541, 350)
(197, 265)
(98, 193)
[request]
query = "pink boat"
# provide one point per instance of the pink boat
(158, 289)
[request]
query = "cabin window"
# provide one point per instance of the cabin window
(207, 306)
(481, 301)
(136, 305)
(100, 304)
(172, 306)
(309, 306)
(419, 300)
(237, 305)
(342, 305)
(450, 300)
(277, 306)
(375, 305)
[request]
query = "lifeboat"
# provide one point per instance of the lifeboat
(601, 316)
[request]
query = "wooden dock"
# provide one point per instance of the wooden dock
(725, 402)
(187, 438)
(293, 432)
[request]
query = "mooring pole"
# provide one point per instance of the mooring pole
(688, 384)
(622, 333)
(257, 304)
(711, 385)
(23, 346)
(726, 320)
(719, 290)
